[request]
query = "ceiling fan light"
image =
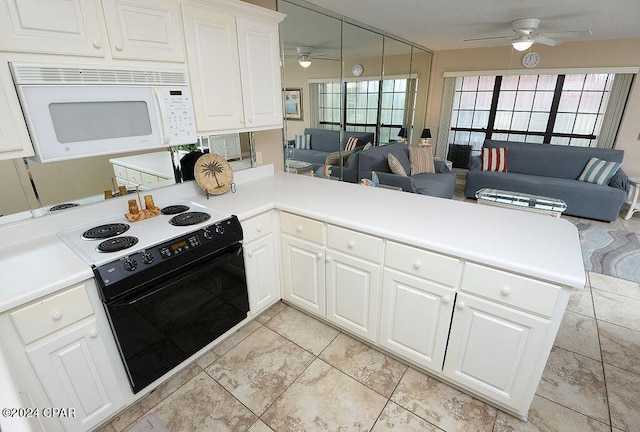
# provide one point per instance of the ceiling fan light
(522, 44)
(304, 61)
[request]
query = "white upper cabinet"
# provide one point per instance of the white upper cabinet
(234, 64)
(260, 73)
(144, 29)
(53, 26)
(14, 139)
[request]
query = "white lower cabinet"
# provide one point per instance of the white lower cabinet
(353, 293)
(74, 369)
(494, 351)
(261, 262)
(304, 274)
(415, 317)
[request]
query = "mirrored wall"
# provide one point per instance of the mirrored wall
(341, 79)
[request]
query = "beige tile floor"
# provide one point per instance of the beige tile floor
(287, 371)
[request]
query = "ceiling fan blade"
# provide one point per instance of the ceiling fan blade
(488, 38)
(567, 34)
(546, 40)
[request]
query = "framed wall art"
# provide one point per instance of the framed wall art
(293, 104)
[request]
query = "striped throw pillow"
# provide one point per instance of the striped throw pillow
(599, 171)
(303, 142)
(494, 159)
(395, 166)
(421, 160)
(352, 143)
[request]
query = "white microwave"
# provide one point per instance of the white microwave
(76, 112)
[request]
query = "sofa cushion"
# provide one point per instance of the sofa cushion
(435, 184)
(324, 140)
(598, 171)
(303, 142)
(421, 159)
(494, 159)
(395, 166)
(552, 160)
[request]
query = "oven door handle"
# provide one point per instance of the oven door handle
(237, 249)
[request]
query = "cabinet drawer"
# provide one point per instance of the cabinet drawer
(438, 268)
(120, 171)
(51, 314)
(257, 227)
(355, 243)
(148, 179)
(134, 176)
(298, 226)
(518, 291)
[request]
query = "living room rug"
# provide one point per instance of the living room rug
(610, 251)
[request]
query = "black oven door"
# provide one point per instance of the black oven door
(174, 316)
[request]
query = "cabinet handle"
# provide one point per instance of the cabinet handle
(328, 259)
(97, 44)
(505, 291)
(56, 315)
(461, 305)
(299, 228)
(351, 244)
(319, 255)
(259, 229)
(250, 121)
(93, 333)
(417, 264)
(446, 299)
(249, 254)
(119, 46)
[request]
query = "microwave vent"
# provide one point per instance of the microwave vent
(40, 74)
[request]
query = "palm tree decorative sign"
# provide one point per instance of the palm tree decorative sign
(213, 173)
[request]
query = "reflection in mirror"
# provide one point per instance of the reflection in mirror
(32, 189)
(421, 70)
(311, 50)
(397, 106)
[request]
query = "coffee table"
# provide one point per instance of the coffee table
(298, 167)
(520, 201)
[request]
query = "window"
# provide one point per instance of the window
(557, 109)
(387, 103)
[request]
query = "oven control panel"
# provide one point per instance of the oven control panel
(159, 258)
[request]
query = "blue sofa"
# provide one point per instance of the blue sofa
(324, 142)
(438, 184)
(552, 171)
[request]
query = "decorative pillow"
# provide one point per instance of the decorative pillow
(334, 157)
(352, 143)
(367, 146)
(375, 181)
(324, 171)
(599, 171)
(421, 160)
(494, 159)
(303, 142)
(395, 166)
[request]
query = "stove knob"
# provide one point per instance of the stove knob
(207, 234)
(147, 258)
(130, 265)
(220, 229)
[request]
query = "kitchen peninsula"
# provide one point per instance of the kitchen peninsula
(419, 274)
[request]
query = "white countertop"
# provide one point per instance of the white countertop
(157, 163)
(530, 244)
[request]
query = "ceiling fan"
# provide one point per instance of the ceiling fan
(304, 55)
(526, 33)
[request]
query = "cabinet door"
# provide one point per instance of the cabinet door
(353, 293)
(494, 350)
(212, 56)
(14, 139)
(144, 29)
(52, 26)
(260, 71)
(262, 273)
(415, 317)
(75, 370)
(303, 274)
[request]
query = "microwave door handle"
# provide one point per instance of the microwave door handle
(163, 115)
